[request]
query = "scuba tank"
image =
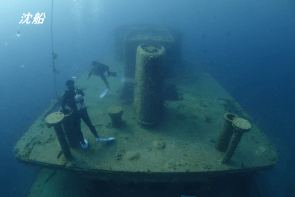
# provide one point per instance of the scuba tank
(79, 101)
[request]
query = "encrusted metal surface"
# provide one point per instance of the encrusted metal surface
(179, 148)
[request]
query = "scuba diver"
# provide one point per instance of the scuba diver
(102, 71)
(73, 97)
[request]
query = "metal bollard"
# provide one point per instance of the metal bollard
(241, 126)
(54, 120)
(226, 132)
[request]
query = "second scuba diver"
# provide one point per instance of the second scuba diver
(102, 71)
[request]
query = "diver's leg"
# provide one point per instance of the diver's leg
(77, 125)
(105, 81)
(86, 119)
(114, 74)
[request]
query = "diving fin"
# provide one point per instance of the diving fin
(120, 78)
(104, 139)
(104, 93)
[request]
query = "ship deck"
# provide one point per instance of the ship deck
(179, 148)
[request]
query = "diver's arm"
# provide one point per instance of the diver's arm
(81, 92)
(64, 100)
(90, 73)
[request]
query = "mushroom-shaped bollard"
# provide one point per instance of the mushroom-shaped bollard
(115, 113)
(226, 132)
(54, 120)
(240, 126)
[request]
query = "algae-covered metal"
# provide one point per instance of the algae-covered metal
(149, 82)
(187, 140)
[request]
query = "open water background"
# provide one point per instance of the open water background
(247, 45)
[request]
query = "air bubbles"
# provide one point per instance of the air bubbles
(17, 34)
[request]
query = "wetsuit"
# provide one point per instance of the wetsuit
(74, 98)
(100, 70)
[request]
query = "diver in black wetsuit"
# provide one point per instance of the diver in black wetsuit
(102, 71)
(73, 97)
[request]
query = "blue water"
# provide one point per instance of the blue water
(248, 46)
